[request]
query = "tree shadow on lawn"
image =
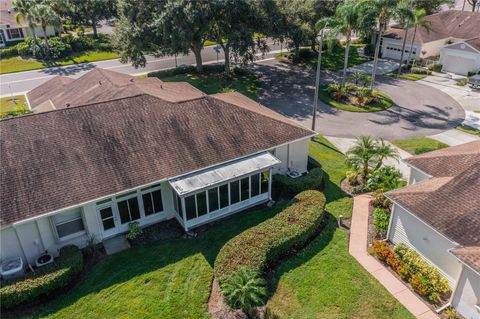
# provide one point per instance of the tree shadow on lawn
(140, 260)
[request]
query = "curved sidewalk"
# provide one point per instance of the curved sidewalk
(358, 249)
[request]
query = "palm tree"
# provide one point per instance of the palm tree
(45, 16)
(367, 154)
(346, 19)
(244, 290)
(418, 21)
(383, 10)
(357, 77)
(23, 9)
(405, 15)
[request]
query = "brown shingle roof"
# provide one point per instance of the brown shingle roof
(451, 205)
(445, 24)
(475, 42)
(469, 255)
(449, 161)
(61, 158)
(99, 85)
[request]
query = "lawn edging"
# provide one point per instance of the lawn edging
(385, 102)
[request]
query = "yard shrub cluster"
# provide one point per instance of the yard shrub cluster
(59, 47)
(289, 186)
(381, 218)
(44, 280)
(418, 70)
(384, 179)
(425, 279)
(435, 67)
(353, 94)
(259, 246)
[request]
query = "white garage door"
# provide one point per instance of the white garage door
(458, 65)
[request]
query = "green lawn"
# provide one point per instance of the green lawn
(419, 145)
(211, 83)
(17, 64)
(331, 60)
(408, 76)
(468, 129)
(13, 106)
(171, 279)
(384, 102)
(323, 280)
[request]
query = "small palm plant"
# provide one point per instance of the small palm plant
(245, 290)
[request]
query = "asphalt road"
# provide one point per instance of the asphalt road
(419, 110)
(21, 82)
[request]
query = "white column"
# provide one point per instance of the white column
(269, 183)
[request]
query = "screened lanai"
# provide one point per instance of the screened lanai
(225, 189)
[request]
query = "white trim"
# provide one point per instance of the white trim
(149, 184)
(460, 42)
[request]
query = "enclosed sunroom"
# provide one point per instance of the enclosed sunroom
(216, 192)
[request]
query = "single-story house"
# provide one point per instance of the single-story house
(107, 149)
(453, 35)
(11, 31)
(438, 215)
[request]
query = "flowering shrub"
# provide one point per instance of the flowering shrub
(381, 249)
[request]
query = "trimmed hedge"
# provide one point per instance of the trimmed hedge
(263, 244)
(289, 186)
(44, 280)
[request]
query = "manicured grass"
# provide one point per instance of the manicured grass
(384, 102)
(17, 64)
(323, 280)
(468, 129)
(331, 60)
(212, 83)
(172, 278)
(408, 76)
(13, 103)
(419, 145)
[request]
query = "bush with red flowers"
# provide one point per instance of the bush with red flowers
(381, 249)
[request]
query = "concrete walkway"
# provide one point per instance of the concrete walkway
(454, 137)
(343, 144)
(358, 249)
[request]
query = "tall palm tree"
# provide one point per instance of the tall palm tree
(45, 16)
(418, 21)
(346, 20)
(383, 9)
(23, 9)
(405, 14)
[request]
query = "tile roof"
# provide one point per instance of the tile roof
(450, 201)
(449, 161)
(57, 159)
(445, 24)
(100, 85)
(469, 255)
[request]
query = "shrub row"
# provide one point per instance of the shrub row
(425, 279)
(263, 244)
(44, 280)
(59, 47)
(185, 69)
(418, 70)
(289, 186)
(435, 67)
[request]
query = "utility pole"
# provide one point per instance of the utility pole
(317, 79)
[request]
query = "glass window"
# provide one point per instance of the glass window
(201, 203)
(244, 186)
(213, 199)
(15, 33)
(179, 203)
(152, 202)
(234, 192)
(69, 222)
(175, 203)
(255, 188)
(128, 210)
(157, 201)
(265, 178)
(107, 218)
(223, 196)
(190, 207)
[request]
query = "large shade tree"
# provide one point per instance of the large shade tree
(90, 12)
(430, 6)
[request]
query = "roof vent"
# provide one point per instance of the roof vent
(67, 105)
(100, 82)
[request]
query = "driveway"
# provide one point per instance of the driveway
(383, 67)
(419, 111)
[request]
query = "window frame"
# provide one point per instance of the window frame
(150, 190)
(19, 31)
(70, 236)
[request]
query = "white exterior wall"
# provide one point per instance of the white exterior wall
(466, 298)
(458, 60)
(416, 176)
(406, 228)
(293, 157)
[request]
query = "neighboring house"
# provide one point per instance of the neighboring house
(10, 31)
(438, 215)
(454, 35)
(109, 149)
